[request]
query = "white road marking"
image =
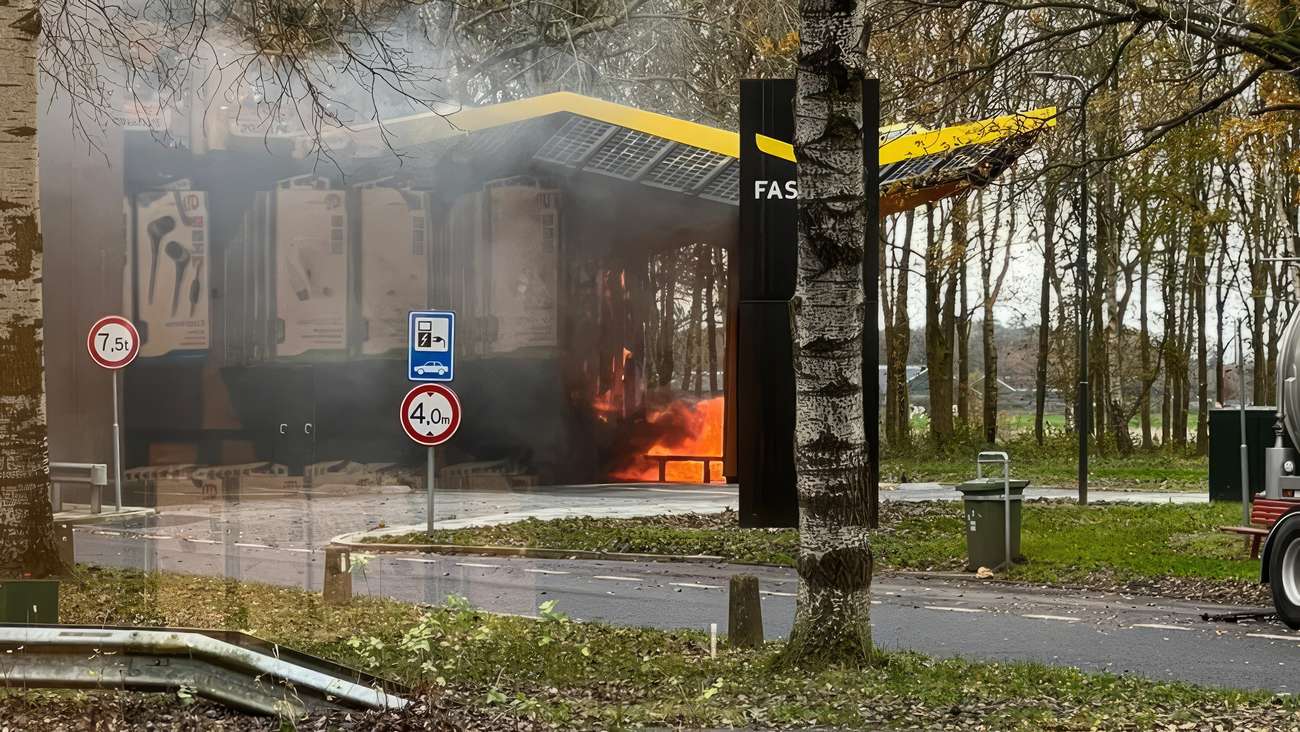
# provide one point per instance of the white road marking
(295, 549)
(202, 541)
(953, 609)
(545, 571)
(777, 594)
(478, 566)
(616, 578)
(695, 586)
(1063, 618)
(156, 537)
(252, 546)
(1158, 626)
(1270, 636)
(101, 532)
(417, 560)
(875, 602)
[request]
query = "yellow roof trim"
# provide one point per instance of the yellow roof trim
(970, 133)
(929, 142)
(723, 142)
(774, 147)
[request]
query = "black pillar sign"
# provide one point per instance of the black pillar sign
(766, 258)
(767, 255)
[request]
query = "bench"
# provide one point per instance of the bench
(665, 459)
(1264, 512)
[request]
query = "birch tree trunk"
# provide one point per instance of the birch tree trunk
(26, 525)
(832, 622)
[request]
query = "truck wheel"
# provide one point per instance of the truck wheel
(1284, 573)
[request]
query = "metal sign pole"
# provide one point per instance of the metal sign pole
(1245, 468)
(1006, 514)
(117, 449)
(428, 482)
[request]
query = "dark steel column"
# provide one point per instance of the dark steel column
(871, 292)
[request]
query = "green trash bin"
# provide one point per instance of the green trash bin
(983, 512)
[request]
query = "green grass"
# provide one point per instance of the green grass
(592, 676)
(1063, 542)
(1054, 463)
(1015, 424)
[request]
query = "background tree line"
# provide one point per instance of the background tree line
(1191, 177)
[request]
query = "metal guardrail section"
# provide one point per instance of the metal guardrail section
(230, 668)
(94, 475)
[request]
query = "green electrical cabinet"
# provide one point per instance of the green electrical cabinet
(1225, 443)
(29, 601)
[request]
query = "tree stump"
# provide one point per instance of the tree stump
(337, 589)
(744, 613)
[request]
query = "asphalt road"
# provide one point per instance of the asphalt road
(1154, 638)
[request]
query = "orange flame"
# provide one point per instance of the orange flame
(701, 438)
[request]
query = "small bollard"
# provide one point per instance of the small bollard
(744, 613)
(337, 589)
(63, 539)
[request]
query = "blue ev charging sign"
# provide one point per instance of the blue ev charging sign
(431, 338)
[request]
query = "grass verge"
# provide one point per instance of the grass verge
(1054, 463)
(591, 676)
(1155, 546)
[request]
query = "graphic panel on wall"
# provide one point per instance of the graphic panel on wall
(311, 271)
(394, 271)
(172, 270)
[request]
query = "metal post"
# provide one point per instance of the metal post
(117, 449)
(1245, 469)
(1006, 514)
(428, 484)
(1081, 272)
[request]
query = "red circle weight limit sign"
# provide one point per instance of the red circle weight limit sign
(430, 414)
(113, 342)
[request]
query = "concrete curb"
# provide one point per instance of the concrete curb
(587, 554)
(525, 551)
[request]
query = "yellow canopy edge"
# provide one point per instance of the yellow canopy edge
(724, 142)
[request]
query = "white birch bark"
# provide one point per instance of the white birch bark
(26, 527)
(831, 621)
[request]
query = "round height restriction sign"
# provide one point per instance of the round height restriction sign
(113, 342)
(430, 414)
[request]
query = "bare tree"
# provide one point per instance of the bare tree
(940, 315)
(1050, 205)
(896, 266)
(992, 276)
